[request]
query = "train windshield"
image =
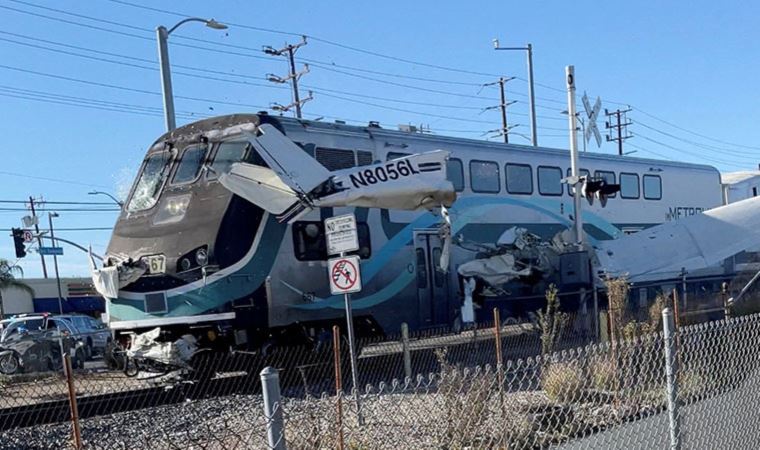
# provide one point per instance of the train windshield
(148, 186)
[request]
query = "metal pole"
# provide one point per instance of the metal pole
(577, 213)
(683, 289)
(533, 128)
(338, 384)
(55, 263)
(162, 36)
(39, 239)
(294, 79)
(620, 134)
(270, 388)
(503, 106)
(671, 372)
(596, 314)
(72, 402)
(407, 353)
(352, 354)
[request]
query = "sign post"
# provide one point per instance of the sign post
(345, 278)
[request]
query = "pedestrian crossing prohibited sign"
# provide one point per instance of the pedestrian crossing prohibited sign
(344, 275)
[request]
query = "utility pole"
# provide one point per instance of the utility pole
(621, 127)
(37, 232)
(503, 107)
(289, 52)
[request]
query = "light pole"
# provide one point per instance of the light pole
(529, 49)
(162, 35)
(55, 262)
(116, 200)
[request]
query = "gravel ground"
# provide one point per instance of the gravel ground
(220, 423)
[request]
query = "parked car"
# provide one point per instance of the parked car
(94, 333)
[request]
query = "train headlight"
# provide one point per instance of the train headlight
(172, 209)
(201, 256)
(185, 264)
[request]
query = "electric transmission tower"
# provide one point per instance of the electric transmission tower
(289, 52)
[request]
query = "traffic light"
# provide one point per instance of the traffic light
(18, 241)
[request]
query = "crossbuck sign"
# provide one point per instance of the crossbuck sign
(592, 113)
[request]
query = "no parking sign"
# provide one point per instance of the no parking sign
(344, 275)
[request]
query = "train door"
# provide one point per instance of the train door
(432, 283)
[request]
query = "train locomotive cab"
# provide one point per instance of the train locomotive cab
(180, 229)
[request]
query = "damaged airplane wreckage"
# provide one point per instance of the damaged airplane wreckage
(221, 241)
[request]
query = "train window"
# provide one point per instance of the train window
(308, 148)
(438, 275)
(226, 154)
(484, 176)
(395, 155)
(652, 187)
(549, 180)
(421, 269)
(190, 164)
(309, 241)
(335, 159)
(151, 180)
(519, 179)
(629, 185)
(607, 176)
(455, 173)
(581, 172)
(363, 158)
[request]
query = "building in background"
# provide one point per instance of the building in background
(79, 296)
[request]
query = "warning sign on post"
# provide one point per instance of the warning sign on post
(344, 275)
(341, 234)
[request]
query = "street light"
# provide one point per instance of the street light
(116, 200)
(162, 35)
(55, 262)
(528, 48)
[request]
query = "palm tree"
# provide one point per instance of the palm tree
(8, 272)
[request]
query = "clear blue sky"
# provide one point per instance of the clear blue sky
(692, 64)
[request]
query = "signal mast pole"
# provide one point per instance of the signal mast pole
(37, 231)
(577, 218)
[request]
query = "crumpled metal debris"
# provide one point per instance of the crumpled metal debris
(177, 353)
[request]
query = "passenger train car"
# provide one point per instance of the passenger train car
(211, 257)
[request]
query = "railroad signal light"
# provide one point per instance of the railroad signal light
(599, 188)
(18, 242)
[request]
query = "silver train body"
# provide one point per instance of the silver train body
(216, 258)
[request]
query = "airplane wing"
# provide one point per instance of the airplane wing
(294, 166)
(260, 186)
(692, 243)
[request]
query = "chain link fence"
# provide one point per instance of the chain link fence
(489, 387)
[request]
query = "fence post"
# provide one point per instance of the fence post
(671, 372)
(338, 384)
(497, 336)
(270, 388)
(72, 401)
(405, 348)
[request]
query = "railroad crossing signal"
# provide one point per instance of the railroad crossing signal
(592, 113)
(344, 275)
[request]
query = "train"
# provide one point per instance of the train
(193, 256)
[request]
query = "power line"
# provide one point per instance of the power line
(694, 132)
(25, 202)
(686, 152)
(724, 151)
(56, 180)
